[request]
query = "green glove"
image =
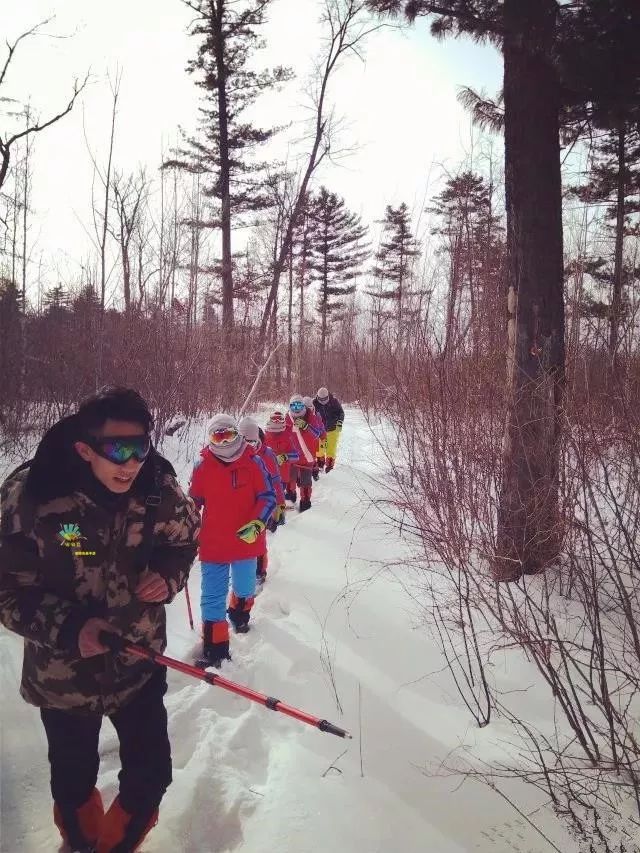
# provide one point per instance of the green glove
(250, 532)
(282, 458)
(301, 423)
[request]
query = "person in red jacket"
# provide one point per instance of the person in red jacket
(318, 423)
(279, 437)
(231, 483)
(254, 436)
(307, 439)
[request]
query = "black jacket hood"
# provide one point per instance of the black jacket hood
(56, 468)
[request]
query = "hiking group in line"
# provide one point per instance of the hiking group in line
(96, 537)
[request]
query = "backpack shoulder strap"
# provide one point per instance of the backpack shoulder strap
(152, 502)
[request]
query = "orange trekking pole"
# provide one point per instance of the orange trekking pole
(117, 644)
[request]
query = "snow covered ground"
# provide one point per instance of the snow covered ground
(337, 634)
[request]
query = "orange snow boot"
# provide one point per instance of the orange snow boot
(123, 832)
(82, 826)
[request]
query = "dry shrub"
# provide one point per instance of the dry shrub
(578, 624)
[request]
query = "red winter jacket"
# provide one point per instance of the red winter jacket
(283, 442)
(233, 493)
(271, 464)
(318, 423)
(305, 441)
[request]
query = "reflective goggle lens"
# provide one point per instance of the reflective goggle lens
(223, 436)
(297, 407)
(121, 449)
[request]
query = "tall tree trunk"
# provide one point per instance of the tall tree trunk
(225, 190)
(324, 306)
(452, 297)
(23, 315)
(16, 219)
(616, 297)
(290, 320)
(126, 270)
(102, 237)
(303, 282)
(529, 534)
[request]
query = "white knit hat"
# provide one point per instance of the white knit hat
(249, 429)
(323, 394)
(227, 452)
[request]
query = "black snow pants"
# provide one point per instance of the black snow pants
(145, 752)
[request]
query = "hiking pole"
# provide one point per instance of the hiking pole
(117, 644)
(186, 592)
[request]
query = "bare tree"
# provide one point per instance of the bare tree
(129, 195)
(8, 140)
(347, 27)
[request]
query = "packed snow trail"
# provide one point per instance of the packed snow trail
(335, 633)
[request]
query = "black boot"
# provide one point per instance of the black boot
(290, 496)
(316, 473)
(239, 615)
(305, 504)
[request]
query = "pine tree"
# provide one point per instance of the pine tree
(11, 317)
(601, 64)
(335, 258)
(228, 34)
(393, 267)
(56, 301)
(614, 178)
(472, 241)
(538, 40)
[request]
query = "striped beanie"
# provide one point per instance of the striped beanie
(276, 422)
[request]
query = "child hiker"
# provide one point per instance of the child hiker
(254, 436)
(316, 420)
(279, 438)
(231, 483)
(96, 537)
(306, 436)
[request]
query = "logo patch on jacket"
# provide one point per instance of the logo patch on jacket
(69, 535)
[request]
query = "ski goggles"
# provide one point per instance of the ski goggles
(297, 407)
(121, 448)
(223, 436)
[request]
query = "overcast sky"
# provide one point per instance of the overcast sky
(400, 104)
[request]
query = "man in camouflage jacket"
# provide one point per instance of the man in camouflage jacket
(73, 563)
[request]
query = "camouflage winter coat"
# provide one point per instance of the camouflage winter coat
(69, 558)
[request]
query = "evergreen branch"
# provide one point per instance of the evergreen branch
(486, 113)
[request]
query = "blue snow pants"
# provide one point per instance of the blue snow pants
(215, 586)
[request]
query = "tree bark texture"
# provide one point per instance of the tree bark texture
(529, 531)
